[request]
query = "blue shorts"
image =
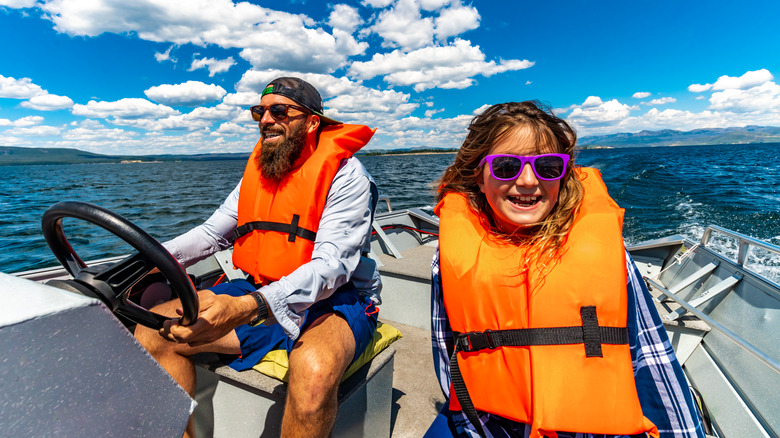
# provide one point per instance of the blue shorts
(359, 312)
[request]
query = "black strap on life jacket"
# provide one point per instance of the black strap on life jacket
(292, 229)
(590, 334)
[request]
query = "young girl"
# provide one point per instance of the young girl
(541, 324)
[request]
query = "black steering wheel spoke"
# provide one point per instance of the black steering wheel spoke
(140, 315)
(122, 275)
(112, 283)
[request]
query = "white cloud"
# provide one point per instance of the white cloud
(254, 81)
(455, 21)
(214, 65)
(347, 101)
(661, 101)
(430, 113)
(433, 5)
(595, 112)
(345, 18)
(18, 3)
(97, 133)
(242, 99)
(429, 132)
(190, 93)
(230, 128)
(748, 80)
(480, 110)
(365, 103)
(19, 88)
(165, 56)
(297, 45)
(128, 108)
(699, 88)
(199, 119)
(34, 131)
(761, 98)
(48, 102)
(592, 101)
(404, 26)
(655, 120)
(309, 50)
(8, 140)
(378, 4)
(27, 121)
(640, 95)
(451, 66)
(91, 135)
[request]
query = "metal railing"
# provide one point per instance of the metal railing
(386, 199)
(744, 242)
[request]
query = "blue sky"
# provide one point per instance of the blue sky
(164, 76)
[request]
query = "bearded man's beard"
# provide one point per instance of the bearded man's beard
(274, 162)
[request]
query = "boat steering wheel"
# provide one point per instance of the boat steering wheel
(111, 284)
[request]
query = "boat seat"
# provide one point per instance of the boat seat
(415, 263)
(696, 276)
(250, 404)
(712, 292)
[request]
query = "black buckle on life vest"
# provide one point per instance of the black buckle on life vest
(475, 341)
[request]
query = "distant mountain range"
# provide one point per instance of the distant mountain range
(669, 137)
(10, 155)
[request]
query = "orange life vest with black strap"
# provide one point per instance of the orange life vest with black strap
(573, 371)
(278, 222)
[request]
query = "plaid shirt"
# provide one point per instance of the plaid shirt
(661, 385)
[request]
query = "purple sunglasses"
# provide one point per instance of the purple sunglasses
(548, 167)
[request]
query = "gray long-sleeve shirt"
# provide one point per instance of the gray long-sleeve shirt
(343, 235)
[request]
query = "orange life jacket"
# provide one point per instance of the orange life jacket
(277, 223)
(489, 284)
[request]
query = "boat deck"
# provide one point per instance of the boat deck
(417, 397)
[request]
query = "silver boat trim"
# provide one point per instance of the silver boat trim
(745, 345)
(745, 242)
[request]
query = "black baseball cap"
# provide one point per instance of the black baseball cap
(301, 92)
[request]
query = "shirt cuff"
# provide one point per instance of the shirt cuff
(277, 304)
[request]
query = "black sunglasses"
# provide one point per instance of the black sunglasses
(278, 111)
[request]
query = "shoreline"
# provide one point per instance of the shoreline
(406, 153)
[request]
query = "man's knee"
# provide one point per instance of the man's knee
(316, 369)
(149, 338)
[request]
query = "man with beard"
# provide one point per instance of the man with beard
(301, 218)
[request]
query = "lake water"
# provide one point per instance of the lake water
(664, 190)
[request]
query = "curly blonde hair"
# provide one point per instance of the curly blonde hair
(550, 134)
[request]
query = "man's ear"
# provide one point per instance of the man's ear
(313, 123)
